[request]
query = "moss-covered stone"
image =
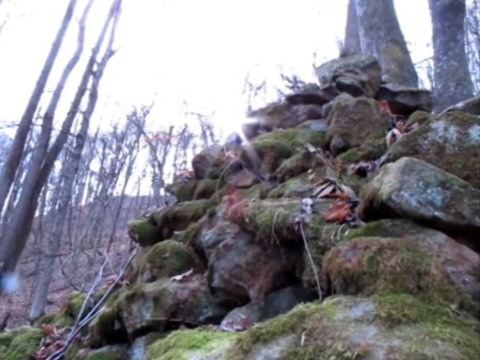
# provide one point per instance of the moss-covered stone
(269, 149)
(384, 327)
(19, 343)
(165, 259)
(276, 220)
(450, 142)
(144, 232)
(296, 165)
(195, 189)
(178, 217)
(369, 150)
(419, 118)
(372, 265)
(295, 187)
(353, 122)
(187, 344)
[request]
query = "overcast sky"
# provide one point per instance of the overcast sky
(199, 51)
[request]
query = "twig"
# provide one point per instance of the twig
(274, 236)
(79, 324)
(310, 259)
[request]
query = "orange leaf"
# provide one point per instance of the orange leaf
(337, 212)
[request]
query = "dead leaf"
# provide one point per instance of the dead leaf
(339, 211)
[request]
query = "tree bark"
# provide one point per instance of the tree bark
(452, 82)
(10, 167)
(351, 43)
(381, 36)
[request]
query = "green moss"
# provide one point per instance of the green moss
(418, 117)
(19, 343)
(257, 191)
(369, 150)
(438, 142)
(181, 215)
(188, 235)
(273, 147)
(166, 259)
(75, 302)
(396, 311)
(296, 165)
(295, 138)
(265, 332)
(178, 344)
(60, 319)
(391, 265)
(295, 187)
(186, 191)
(272, 220)
(144, 232)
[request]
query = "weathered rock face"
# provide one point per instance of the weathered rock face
(377, 328)
(450, 142)
(156, 305)
(243, 269)
(405, 100)
(165, 259)
(419, 191)
(310, 94)
(358, 75)
(458, 261)
(352, 121)
(374, 265)
(287, 115)
(207, 160)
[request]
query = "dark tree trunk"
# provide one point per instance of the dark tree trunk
(452, 82)
(381, 36)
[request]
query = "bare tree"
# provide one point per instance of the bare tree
(379, 34)
(452, 82)
(12, 162)
(17, 231)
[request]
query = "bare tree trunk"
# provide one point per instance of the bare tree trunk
(472, 24)
(16, 233)
(11, 164)
(381, 36)
(351, 43)
(452, 82)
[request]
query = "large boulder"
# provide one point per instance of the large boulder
(450, 142)
(422, 192)
(384, 327)
(266, 152)
(354, 122)
(209, 159)
(461, 263)
(154, 307)
(242, 269)
(281, 115)
(378, 265)
(358, 74)
(309, 94)
(404, 100)
(165, 259)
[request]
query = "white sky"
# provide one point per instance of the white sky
(199, 51)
